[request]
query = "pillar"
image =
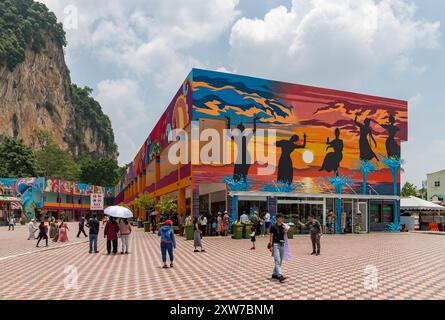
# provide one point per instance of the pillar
(195, 201)
(181, 202)
(272, 207)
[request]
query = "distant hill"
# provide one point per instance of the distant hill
(35, 87)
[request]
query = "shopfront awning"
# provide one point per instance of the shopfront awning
(417, 204)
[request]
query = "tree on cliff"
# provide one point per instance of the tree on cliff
(17, 160)
(104, 172)
(23, 24)
(54, 162)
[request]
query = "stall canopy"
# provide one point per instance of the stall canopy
(417, 204)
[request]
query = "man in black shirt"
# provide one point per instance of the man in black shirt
(81, 227)
(276, 246)
(93, 225)
(315, 230)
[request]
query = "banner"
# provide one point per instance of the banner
(97, 201)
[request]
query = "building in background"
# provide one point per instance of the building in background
(35, 197)
(349, 161)
(435, 185)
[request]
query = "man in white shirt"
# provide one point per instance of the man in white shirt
(267, 221)
(244, 217)
(11, 223)
(203, 225)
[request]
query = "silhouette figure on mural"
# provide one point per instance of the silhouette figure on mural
(392, 148)
(332, 160)
(366, 152)
(243, 161)
(285, 165)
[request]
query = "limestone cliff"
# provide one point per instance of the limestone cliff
(36, 93)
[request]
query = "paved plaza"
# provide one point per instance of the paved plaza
(372, 266)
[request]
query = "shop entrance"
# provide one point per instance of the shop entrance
(354, 216)
(299, 209)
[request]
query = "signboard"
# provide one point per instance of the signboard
(97, 201)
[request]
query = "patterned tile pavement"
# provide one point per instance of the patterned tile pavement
(408, 266)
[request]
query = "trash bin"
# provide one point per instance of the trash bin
(189, 231)
(237, 231)
(291, 232)
(146, 226)
(247, 231)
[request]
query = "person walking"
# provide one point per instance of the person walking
(267, 221)
(225, 223)
(197, 243)
(276, 246)
(219, 224)
(32, 228)
(110, 232)
(262, 226)
(181, 225)
(53, 228)
(330, 221)
(316, 232)
(153, 216)
(252, 236)
(81, 227)
(11, 223)
(43, 233)
(93, 225)
(125, 231)
(63, 232)
(203, 222)
(168, 242)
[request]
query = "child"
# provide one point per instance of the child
(252, 236)
(214, 225)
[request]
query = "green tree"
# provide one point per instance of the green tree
(409, 190)
(17, 160)
(104, 172)
(167, 205)
(53, 161)
(144, 203)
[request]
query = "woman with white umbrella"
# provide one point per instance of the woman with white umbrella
(112, 228)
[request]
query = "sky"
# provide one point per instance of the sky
(136, 53)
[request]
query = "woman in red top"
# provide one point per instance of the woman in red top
(110, 232)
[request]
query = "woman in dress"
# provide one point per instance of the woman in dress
(197, 243)
(63, 231)
(53, 228)
(392, 148)
(366, 152)
(332, 160)
(285, 165)
(219, 223)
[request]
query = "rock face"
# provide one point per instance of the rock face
(36, 95)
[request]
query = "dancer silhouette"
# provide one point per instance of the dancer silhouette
(285, 165)
(332, 160)
(366, 152)
(392, 148)
(243, 161)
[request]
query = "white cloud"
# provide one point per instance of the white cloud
(122, 101)
(338, 41)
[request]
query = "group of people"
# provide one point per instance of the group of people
(113, 230)
(213, 224)
(57, 232)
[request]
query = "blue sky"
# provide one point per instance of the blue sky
(136, 53)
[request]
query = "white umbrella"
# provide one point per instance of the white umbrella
(118, 212)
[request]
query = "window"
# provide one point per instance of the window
(374, 212)
(437, 183)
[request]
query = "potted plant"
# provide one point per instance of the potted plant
(246, 231)
(237, 230)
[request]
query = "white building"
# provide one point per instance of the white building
(436, 186)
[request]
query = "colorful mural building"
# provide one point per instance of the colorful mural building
(35, 197)
(291, 148)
